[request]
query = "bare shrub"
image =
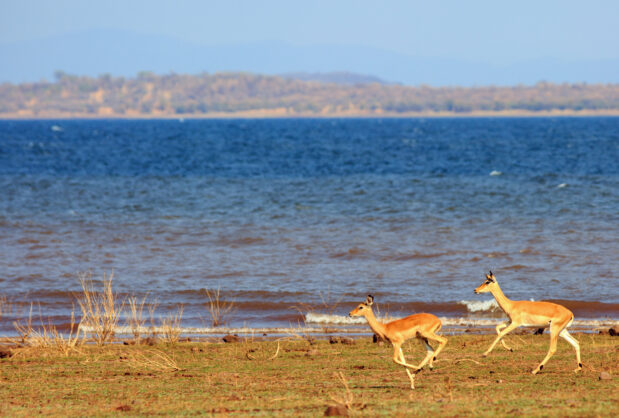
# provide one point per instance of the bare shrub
(47, 335)
(218, 309)
(100, 310)
(346, 400)
(301, 334)
(328, 305)
(135, 321)
(171, 326)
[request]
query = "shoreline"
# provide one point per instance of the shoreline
(451, 326)
(278, 114)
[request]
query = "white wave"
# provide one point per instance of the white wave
(495, 173)
(472, 322)
(345, 326)
(562, 185)
(318, 318)
(56, 128)
(144, 331)
(480, 305)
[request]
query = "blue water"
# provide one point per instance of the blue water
(282, 212)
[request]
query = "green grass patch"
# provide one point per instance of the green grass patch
(303, 379)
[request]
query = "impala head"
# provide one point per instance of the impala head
(487, 285)
(363, 308)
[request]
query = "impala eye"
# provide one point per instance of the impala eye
(360, 307)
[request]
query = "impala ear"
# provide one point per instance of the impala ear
(369, 300)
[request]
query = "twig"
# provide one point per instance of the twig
(348, 396)
(159, 361)
(218, 309)
(466, 359)
(273, 357)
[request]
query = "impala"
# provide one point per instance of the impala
(531, 314)
(422, 326)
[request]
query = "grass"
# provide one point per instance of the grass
(135, 320)
(302, 380)
(171, 326)
(218, 309)
(100, 310)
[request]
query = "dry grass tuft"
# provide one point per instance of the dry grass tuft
(327, 305)
(219, 309)
(100, 310)
(47, 336)
(153, 360)
(348, 398)
(135, 321)
(24, 330)
(171, 326)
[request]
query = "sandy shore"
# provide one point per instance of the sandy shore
(278, 113)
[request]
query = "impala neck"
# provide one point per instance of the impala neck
(377, 326)
(501, 299)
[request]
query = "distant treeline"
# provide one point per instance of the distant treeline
(149, 94)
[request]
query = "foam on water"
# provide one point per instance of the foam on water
(123, 330)
(480, 305)
(319, 318)
(329, 319)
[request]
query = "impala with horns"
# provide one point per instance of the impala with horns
(422, 326)
(531, 314)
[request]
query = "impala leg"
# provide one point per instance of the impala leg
(429, 353)
(498, 331)
(567, 337)
(411, 375)
(442, 341)
(397, 353)
(554, 336)
(507, 330)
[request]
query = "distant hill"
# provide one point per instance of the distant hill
(125, 53)
(336, 77)
(244, 94)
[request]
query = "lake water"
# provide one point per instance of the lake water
(294, 216)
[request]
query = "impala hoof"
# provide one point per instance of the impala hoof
(511, 349)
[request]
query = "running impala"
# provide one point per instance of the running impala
(422, 326)
(531, 314)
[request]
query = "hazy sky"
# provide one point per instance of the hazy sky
(493, 31)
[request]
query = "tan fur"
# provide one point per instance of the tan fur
(422, 326)
(534, 314)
